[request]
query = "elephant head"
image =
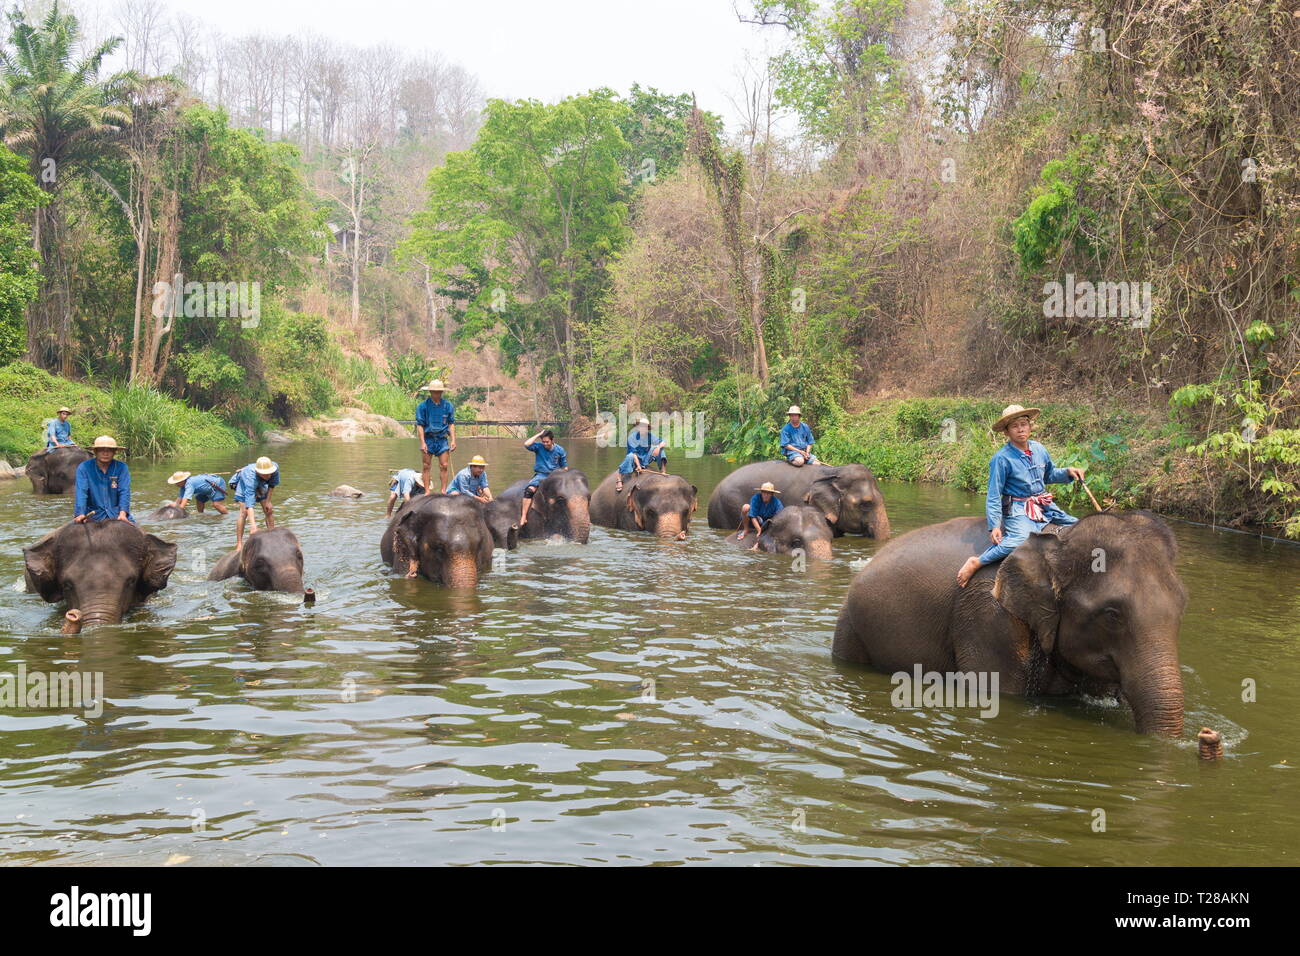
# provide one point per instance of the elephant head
(850, 499)
(101, 568)
(502, 519)
(563, 505)
(443, 538)
(1103, 602)
(661, 504)
(798, 527)
(54, 472)
(269, 561)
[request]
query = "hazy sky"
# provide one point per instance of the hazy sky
(543, 49)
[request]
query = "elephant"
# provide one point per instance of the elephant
(660, 504)
(1094, 609)
(270, 560)
(847, 495)
(166, 513)
(561, 506)
(795, 526)
(346, 491)
(101, 568)
(444, 538)
(54, 472)
(502, 519)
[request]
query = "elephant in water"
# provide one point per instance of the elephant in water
(660, 504)
(847, 495)
(444, 538)
(1093, 610)
(561, 506)
(54, 472)
(269, 561)
(166, 513)
(502, 519)
(101, 568)
(794, 527)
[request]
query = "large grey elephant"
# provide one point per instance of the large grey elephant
(800, 527)
(847, 495)
(444, 538)
(1093, 610)
(502, 519)
(561, 506)
(54, 472)
(270, 560)
(659, 504)
(101, 568)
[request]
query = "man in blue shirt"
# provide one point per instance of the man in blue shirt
(405, 484)
(58, 432)
(1017, 503)
(103, 488)
(472, 481)
(761, 509)
(201, 489)
(643, 450)
(435, 426)
(251, 484)
(547, 456)
(797, 440)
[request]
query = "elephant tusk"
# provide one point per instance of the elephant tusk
(72, 622)
(1210, 744)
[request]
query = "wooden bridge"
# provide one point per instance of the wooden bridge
(499, 428)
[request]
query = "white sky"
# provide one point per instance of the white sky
(543, 49)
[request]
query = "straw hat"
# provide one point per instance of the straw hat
(106, 441)
(434, 386)
(1011, 413)
(64, 408)
(767, 486)
(478, 460)
(794, 410)
(265, 466)
(177, 477)
(643, 420)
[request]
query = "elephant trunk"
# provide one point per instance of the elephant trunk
(819, 549)
(93, 614)
(669, 525)
(579, 520)
(878, 524)
(1209, 744)
(1154, 689)
(460, 571)
(72, 622)
(309, 596)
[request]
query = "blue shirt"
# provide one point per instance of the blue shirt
(764, 511)
(640, 445)
(467, 484)
(102, 495)
(547, 461)
(405, 482)
(203, 487)
(59, 433)
(249, 487)
(435, 417)
(1013, 473)
(800, 437)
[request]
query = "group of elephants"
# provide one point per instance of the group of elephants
(1095, 609)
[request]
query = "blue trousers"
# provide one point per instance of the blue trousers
(1016, 529)
(629, 462)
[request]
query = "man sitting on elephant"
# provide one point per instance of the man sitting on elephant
(1017, 502)
(643, 450)
(547, 457)
(404, 485)
(762, 508)
(254, 483)
(201, 489)
(103, 489)
(472, 481)
(797, 440)
(58, 431)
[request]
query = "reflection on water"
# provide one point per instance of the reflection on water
(629, 701)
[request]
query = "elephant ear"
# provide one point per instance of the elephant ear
(41, 567)
(159, 562)
(632, 508)
(36, 473)
(695, 498)
(406, 538)
(1028, 586)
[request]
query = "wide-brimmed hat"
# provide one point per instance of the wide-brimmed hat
(62, 409)
(767, 486)
(106, 441)
(794, 410)
(177, 477)
(478, 460)
(435, 386)
(265, 466)
(643, 420)
(1011, 413)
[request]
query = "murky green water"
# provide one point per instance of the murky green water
(398, 723)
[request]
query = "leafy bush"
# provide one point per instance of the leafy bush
(390, 400)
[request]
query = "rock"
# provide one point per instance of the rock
(346, 491)
(278, 438)
(353, 424)
(7, 472)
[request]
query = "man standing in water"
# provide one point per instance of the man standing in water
(58, 433)
(103, 489)
(547, 456)
(435, 426)
(1017, 502)
(254, 483)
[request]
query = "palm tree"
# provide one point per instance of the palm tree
(56, 111)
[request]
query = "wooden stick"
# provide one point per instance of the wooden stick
(1090, 496)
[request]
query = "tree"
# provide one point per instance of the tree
(19, 274)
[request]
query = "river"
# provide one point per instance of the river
(631, 701)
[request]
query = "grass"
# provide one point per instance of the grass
(390, 400)
(147, 422)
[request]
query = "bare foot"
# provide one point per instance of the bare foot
(741, 536)
(618, 486)
(970, 567)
